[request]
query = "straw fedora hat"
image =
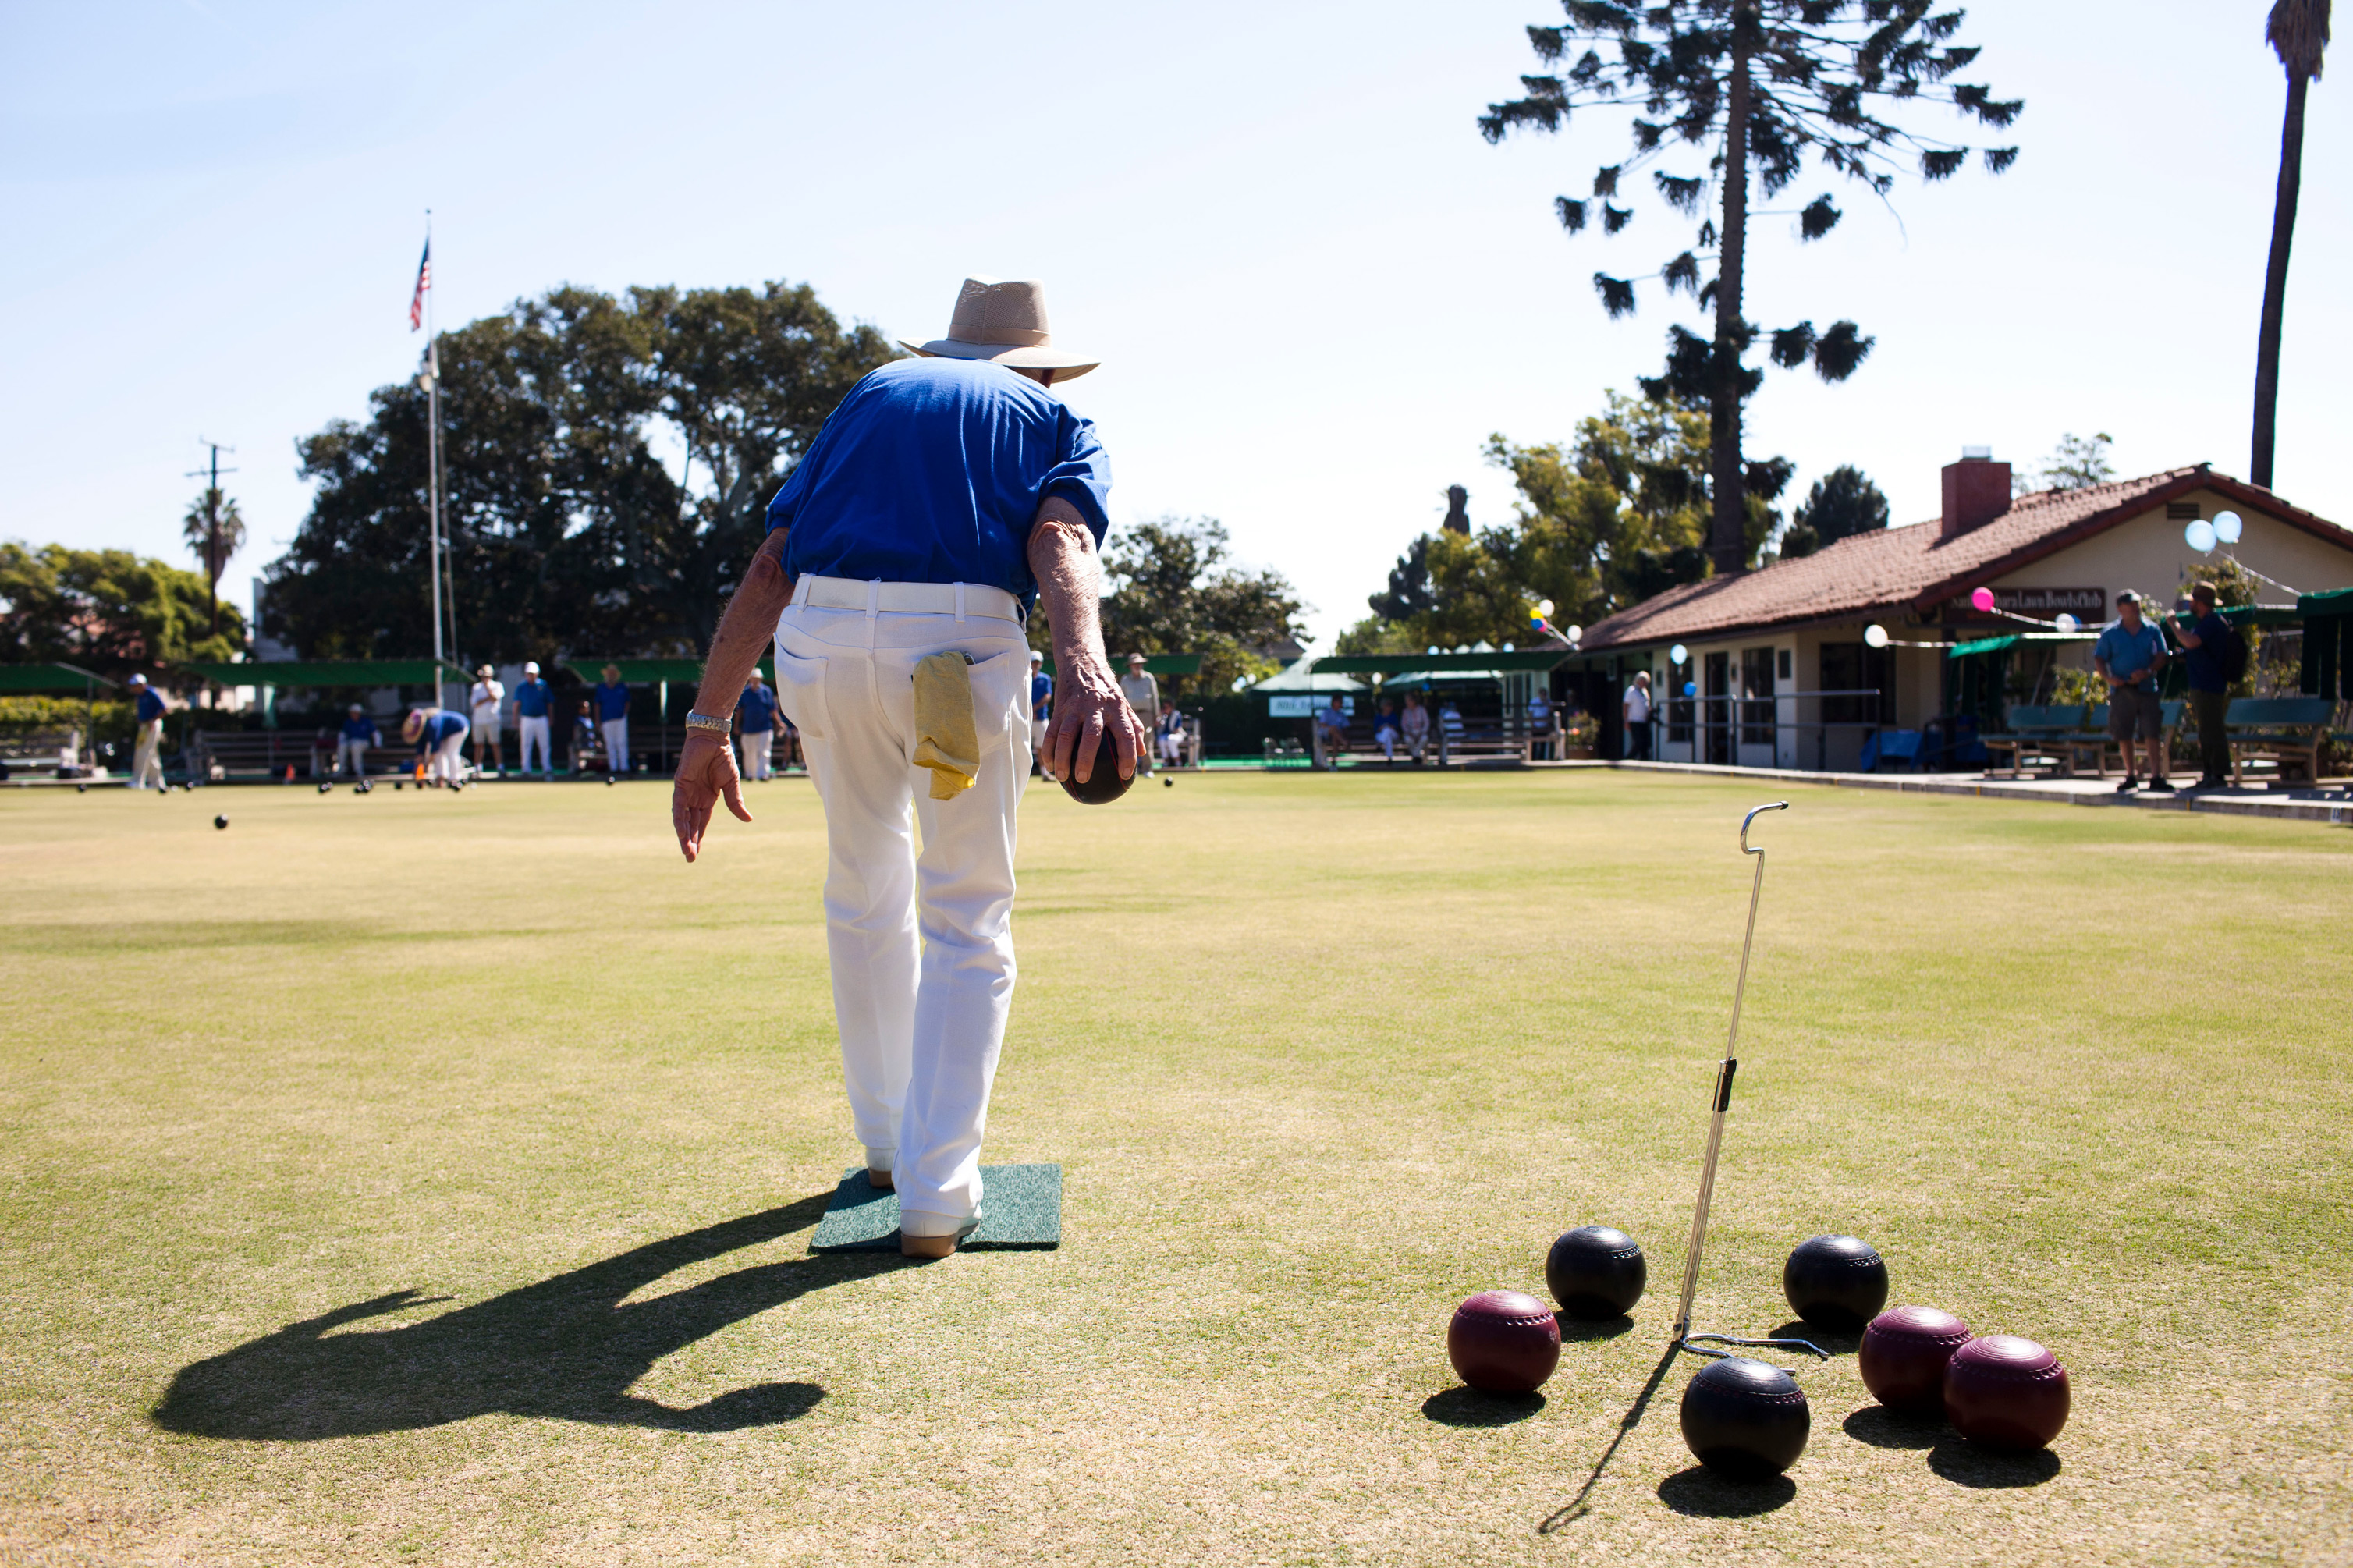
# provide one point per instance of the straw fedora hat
(1004, 322)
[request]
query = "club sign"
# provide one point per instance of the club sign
(2083, 604)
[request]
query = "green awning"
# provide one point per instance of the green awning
(291, 673)
(1153, 664)
(1424, 676)
(1434, 665)
(1306, 676)
(61, 677)
(2272, 615)
(1985, 645)
(2336, 602)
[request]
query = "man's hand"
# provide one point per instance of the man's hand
(1090, 706)
(706, 774)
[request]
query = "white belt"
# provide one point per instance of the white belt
(957, 599)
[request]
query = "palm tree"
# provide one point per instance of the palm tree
(215, 530)
(2298, 34)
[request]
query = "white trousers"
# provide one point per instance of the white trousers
(616, 745)
(922, 945)
(352, 755)
(534, 731)
(756, 744)
(447, 763)
(147, 756)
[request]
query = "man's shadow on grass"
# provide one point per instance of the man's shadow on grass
(566, 1348)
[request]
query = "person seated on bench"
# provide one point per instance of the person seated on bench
(1172, 736)
(1331, 726)
(1414, 726)
(2129, 656)
(359, 734)
(1450, 720)
(2206, 643)
(1539, 728)
(1386, 733)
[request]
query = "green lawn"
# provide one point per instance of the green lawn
(431, 1179)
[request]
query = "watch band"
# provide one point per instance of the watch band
(705, 721)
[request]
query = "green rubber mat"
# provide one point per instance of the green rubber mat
(1020, 1211)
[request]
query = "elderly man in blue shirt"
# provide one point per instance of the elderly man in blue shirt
(2130, 655)
(438, 734)
(147, 754)
(944, 497)
(531, 698)
(351, 746)
(758, 706)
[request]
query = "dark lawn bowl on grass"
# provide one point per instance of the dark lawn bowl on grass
(1746, 1420)
(1504, 1341)
(1837, 1282)
(2006, 1393)
(1903, 1354)
(1596, 1272)
(1104, 786)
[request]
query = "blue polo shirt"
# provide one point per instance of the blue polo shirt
(439, 728)
(360, 728)
(2128, 652)
(2205, 661)
(932, 470)
(151, 706)
(612, 701)
(758, 706)
(530, 699)
(1041, 695)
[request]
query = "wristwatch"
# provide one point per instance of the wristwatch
(705, 721)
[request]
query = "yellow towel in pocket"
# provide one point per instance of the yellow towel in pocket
(946, 740)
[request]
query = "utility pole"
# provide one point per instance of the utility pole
(432, 378)
(212, 561)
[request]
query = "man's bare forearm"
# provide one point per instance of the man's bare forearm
(1070, 589)
(747, 629)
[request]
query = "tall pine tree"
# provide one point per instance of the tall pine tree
(1747, 82)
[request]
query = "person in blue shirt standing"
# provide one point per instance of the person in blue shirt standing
(1041, 702)
(757, 711)
(147, 754)
(351, 748)
(531, 698)
(2129, 656)
(943, 499)
(438, 736)
(613, 719)
(2204, 642)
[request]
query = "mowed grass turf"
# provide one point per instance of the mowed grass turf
(431, 1179)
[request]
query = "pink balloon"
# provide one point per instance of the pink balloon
(1982, 599)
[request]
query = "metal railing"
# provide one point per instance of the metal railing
(1741, 721)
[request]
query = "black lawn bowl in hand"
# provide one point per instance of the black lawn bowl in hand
(2006, 1393)
(1903, 1355)
(1835, 1282)
(1596, 1272)
(1105, 785)
(1504, 1341)
(1746, 1420)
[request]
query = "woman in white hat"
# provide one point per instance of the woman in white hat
(944, 497)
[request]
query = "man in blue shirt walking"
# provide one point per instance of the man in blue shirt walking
(944, 497)
(531, 698)
(613, 720)
(2129, 656)
(757, 707)
(147, 754)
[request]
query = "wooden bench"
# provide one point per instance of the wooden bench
(1357, 741)
(1506, 740)
(2288, 730)
(2042, 733)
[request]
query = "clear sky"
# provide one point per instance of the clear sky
(1315, 290)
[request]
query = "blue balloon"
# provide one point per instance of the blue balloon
(1690, 688)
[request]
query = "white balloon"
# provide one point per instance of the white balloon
(2067, 623)
(1575, 634)
(2200, 536)
(1874, 636)
(2227, 527)
(1677, 654)
(1544, 608)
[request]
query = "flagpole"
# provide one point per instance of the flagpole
(433, 457)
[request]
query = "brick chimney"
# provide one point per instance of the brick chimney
(1977, 491)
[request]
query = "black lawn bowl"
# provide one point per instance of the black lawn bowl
(1744, 1420)
(1835, 1282)
(1596, 1272)
(1105, 785)
(220, 822)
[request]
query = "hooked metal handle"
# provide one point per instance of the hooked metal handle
(1753, 815)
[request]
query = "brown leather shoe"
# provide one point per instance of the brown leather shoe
(880, 1181)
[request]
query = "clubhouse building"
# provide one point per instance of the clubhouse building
(1786, 677)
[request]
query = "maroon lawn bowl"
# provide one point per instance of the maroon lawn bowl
(2006, 1393)
(1903, 1354)
(1504, 1341)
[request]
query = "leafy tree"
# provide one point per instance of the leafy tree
(215, 530)
(108, 610)
(1761, 81)
(2078, 463)
(2297, 33)
(1841, 504)
(567, 530)
(1174, 591)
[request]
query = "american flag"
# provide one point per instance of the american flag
(424, 281)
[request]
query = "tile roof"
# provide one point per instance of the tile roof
(1915, 567)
